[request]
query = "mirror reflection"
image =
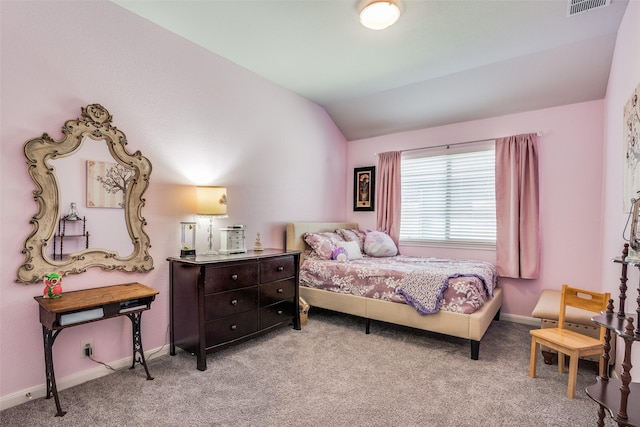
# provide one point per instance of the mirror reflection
(98, 220)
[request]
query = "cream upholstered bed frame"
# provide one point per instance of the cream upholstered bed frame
(468, 326)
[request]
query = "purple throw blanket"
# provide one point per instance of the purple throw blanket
(424, 290)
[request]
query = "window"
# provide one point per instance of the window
(448, 196)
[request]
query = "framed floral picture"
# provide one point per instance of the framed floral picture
(364, 188)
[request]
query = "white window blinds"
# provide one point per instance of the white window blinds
(448, 196)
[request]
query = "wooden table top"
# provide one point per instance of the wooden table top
(87, 298)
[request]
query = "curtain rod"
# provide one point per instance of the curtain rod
(539, 133)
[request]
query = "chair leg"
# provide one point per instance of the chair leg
(573, 375)
(561, 361)
(533, 357)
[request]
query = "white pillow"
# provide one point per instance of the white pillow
(353, 250)
(379, 244)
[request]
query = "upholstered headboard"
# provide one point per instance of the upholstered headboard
(295, 231)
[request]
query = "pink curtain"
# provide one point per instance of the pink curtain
(388, 194)
(517, 207)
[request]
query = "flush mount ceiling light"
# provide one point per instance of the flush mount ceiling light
(379, 14)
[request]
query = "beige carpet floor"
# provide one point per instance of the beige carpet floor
(332, 374)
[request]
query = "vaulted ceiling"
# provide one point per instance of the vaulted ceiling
(443, 62)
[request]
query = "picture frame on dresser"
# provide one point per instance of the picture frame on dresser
(187, 239)
(364, 188)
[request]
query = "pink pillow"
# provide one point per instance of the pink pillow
(379, 244)
(323, 243)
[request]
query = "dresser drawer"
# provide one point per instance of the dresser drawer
(273, 292)
(230, 328)
(227, 303)
(277, 268)
(225, 278)
(276, 313)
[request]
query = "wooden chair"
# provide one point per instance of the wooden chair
(567, 342)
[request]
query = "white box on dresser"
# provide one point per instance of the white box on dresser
(232, 240)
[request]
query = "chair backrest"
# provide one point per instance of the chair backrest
(595, 302)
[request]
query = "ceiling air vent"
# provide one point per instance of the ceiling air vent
(578, 6)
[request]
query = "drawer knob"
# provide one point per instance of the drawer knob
(234, 277)
(233, 327)
(234, 302)
(280, 290)
(280, 312)
(280, 268)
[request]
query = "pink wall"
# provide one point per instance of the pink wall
(570, 150)
(624, 78)
(200, 119)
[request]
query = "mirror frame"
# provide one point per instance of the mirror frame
(95, 124)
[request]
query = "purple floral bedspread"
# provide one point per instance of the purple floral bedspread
(467, 284)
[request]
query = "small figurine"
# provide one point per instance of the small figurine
(53, 285)
(258, 245)
(73, 213)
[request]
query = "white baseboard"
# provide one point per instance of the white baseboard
(39, 391)
(525, 320)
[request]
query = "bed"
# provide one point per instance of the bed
(470, 326)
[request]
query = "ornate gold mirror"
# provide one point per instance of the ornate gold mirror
(94, 127)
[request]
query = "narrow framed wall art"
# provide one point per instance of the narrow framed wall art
(364, 188)
(631, 182)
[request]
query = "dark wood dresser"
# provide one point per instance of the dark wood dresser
(220, 300)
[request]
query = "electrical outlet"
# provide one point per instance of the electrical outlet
(87, 348)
